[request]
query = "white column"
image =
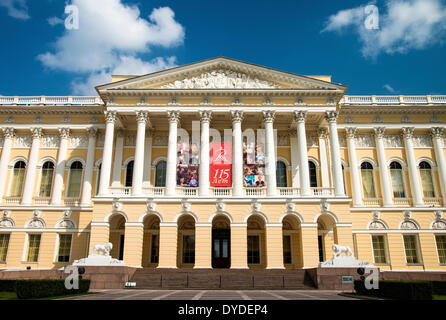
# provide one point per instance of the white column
(237, 153)
(30, 178)
(171, 167)
(138, 169)
(383, 171)
(104, 184)
(338, 179)
(354, 171)
(270, 153)
(413, 174)
(56, 198)
(88, 177)
(325, 173)
(147, 159)
(8, 134)
(203, 176)
(437, 137)
(117, 161)
(304, 170)
(294, 159)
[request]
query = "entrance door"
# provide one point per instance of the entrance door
(221, 240)
(320, 243)
(121, 247)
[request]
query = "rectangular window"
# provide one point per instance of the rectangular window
(427, 183)
(396, 176)
(253, 249)
(46, 182)
(188, 249)
(368, 185)
(74, 186)
(33, 247)
(18, 176)
(379, 249)
(287, 249)
(411, 247)
(154, 255)
(441, 247)
(64, 247)
(4, 243)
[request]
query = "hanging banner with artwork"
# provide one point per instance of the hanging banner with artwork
(253, 164)
(221, 164)
(188, 156)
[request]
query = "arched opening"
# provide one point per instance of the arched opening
(160, 174)
(221, 242)
(427, 180)
(396, 174)
(150, 256)
(313, 174)
(368, 180)
(186, 242)
(18, 176)
(98, 178)
(46, 179)
(292, 242)
(117, 232)
(75, 180)
(281, 178)
(129, 174)
(256, 242)
(326, 236)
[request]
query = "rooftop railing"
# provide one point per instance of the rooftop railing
(44, 100)
(392, 100)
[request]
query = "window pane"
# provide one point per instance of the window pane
(129, 174)
(379, 249)
(74, 188)
(64, 248)
(397, 183)
(155, 247)
(368, 184)
(427, 183)
(281, 174)
(18, 176)
(33, 247)
(160, 178)
(441, 247)
(411, 247)
(287, 249)
(4, 242)
(217, 248)
(253, 249)
(47, 180)
(313, 174)
(188, 249)
(224, 248)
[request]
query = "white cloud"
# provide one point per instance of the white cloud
(55, 21)
(405, 25)
(110, 38)
(16, 8)
(389, 88)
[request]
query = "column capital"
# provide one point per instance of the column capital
(9, 132)
(110, 116)
(407, 132)
(300, 116)
(64, 133)
(92, 132)
(379, 132)
(437, 132)
(350, 132)
(174, 116)
(237, 116)
(206, 116)
(37, 133)
(322, 133)
(331, 116)
(142, 116)
(269, 115)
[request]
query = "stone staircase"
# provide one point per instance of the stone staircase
(214, 279)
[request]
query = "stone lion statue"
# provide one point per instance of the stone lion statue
(338, 250)
(104, 248)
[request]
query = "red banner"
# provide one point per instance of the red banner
(221, 165)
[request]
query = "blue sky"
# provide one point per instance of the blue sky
(406, 55)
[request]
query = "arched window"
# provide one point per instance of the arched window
(160, 174)
(427, 180)
(396, 174)
(129, 174)
(75, 180)
(313, 174)
(281, 174)
(46, 180)
(18, 176)
(368, 181)
(98, 179)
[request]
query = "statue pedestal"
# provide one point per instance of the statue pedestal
(98, 260)
(344, 262)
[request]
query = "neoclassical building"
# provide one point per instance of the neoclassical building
(223, 164)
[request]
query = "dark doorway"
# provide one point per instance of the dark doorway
(121, 247)
(221, 248)
(320, 244)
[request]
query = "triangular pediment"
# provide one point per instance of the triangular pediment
(220, 73)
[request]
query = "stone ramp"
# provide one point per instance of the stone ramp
(214, 279)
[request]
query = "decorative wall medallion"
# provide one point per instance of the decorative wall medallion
(50, 141)
(325, 205)
(439, 223)
(220, 205)
(290, 206)
(116, 205)
(6, 221)
(151, 205)
(186, 205)
(36, 222)
(255, 206)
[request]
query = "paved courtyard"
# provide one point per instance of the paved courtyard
(134, 294)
